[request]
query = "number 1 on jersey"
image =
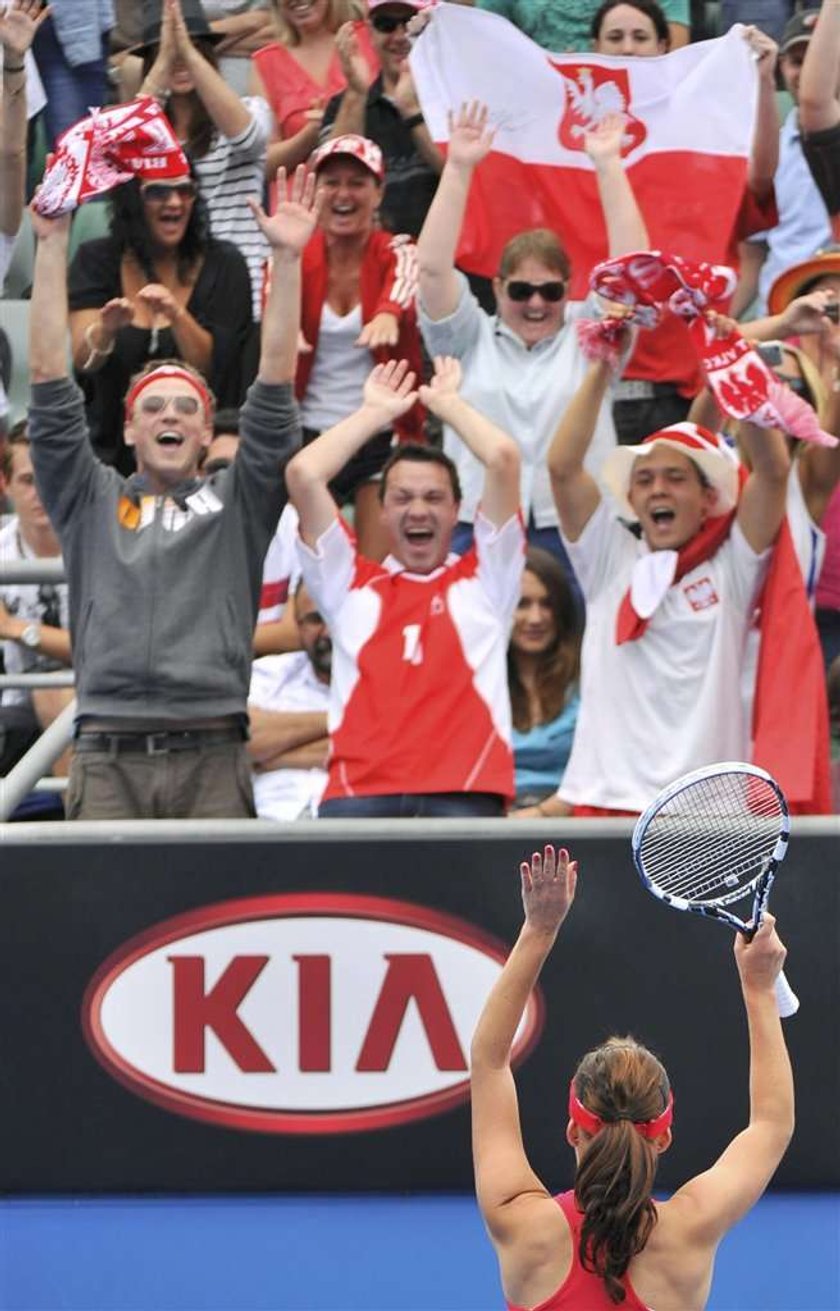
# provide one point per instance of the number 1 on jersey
(412, 649)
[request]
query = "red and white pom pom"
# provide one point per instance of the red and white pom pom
(601, 339)
(785, 410)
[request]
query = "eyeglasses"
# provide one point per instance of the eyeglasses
(552, 292)
(388, 23)
(158, 192)
(183, 405)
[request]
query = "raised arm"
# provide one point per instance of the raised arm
(762, 504)
(287, 231)
(350, 114)
(48, 316)
(714, 1201)
(764, 154)
(517, 1208)
(819, 82)
(222, 103)
(493, 447)
(626, 230)
(388, 395)
(17, 32)
(576, 492)
(470, 139)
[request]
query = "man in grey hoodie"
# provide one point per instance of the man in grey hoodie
(164, 569)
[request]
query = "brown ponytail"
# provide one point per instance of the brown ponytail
(620, 1082)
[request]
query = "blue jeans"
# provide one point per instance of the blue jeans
(71, 92)
(415, 805)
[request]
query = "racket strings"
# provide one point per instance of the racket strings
(713, 838)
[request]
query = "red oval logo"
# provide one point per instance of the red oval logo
(310, 1013)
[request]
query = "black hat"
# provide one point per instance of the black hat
(194, 20)
(798, 29)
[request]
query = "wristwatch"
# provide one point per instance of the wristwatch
(31, 636)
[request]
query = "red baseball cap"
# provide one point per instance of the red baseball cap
(361, 148)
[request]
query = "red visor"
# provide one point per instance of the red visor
(169, 371)
(592, 1123)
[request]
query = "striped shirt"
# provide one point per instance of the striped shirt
(232, 170)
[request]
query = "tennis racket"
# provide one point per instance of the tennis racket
(713, 837)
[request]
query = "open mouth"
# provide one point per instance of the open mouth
(419, 536)
(170, 439)
(662, 516)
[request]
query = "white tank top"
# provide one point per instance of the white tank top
(339, 370)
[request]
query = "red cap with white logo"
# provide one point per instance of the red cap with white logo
(361, 148)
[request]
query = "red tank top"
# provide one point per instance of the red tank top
(581, 1289)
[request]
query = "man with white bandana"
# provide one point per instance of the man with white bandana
(667, 612)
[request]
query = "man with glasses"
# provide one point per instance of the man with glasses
(165, 567)
(388, 112)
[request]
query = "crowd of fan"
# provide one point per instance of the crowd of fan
(299, 287)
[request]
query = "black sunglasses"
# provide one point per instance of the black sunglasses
(161, 191)
(549, 291)
(388, 23)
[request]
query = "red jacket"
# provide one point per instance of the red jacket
(388, 284)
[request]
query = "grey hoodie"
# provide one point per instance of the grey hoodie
(163, 606)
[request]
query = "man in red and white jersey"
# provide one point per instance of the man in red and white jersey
(668, 611)
(419, 714)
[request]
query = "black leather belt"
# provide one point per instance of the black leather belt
(158, 744)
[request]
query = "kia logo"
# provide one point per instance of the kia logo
(304, 1013)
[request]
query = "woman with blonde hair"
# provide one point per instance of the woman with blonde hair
(606, 1241)
(300, 72)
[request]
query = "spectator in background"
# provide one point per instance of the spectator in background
(419, 714)
(543, 668)
(523, 365)
(388, 112)
(301, 70)
(819, 108)
(244, 27)
(224, 137)
(803, 225)
(287, 707)
(71, 50)
(33, 616)
(568, 24)
(164, 568)
(160, 286)
(358, 307)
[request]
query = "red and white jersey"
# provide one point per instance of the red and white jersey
(281, 568)
(670, 702)
(419, 698)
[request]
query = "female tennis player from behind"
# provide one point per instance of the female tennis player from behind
(607, 1242)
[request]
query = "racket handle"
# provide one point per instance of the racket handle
(786, 999)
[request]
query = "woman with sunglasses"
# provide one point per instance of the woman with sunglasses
(523, 365)
(158, 287)
(224, 136)
(607, 1241)
(301, 71)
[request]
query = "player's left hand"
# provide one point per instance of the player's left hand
(549, 881)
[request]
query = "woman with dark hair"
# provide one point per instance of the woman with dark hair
(158, 287)
(224, 136)
(607, 1242)
(543, 665)
(640, 28)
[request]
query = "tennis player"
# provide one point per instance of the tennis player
(606, 1241)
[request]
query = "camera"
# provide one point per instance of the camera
(832, 311)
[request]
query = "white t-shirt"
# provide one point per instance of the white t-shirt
(26, 601)
(671, 701)
(281, 568)
(339, 370)
(288, 683)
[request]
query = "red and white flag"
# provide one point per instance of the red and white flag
(689, 130)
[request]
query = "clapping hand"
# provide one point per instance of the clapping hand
(390, 390)
(353, 63)
(296, 216)
(470, 138)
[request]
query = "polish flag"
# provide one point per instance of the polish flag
(687, 141)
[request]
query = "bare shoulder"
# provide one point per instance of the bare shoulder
(674, 1272)
(534, 1247)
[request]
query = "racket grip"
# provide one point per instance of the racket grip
(786, 999)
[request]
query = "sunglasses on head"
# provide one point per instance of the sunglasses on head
(184, 405)
(161, 191)
(548, 291)
(388, 23)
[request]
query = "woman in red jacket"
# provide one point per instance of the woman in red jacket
(359, 286)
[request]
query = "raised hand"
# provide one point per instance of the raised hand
(296, 216)
(18, 26)
(181, 38)
(548, 888)
(383, 330)
(760, 961)
(353, 63)
(765, 51)
(445, 383)
(116, 314)
(470, 138)
(390, 390)
(47, 228)
(604, 141)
